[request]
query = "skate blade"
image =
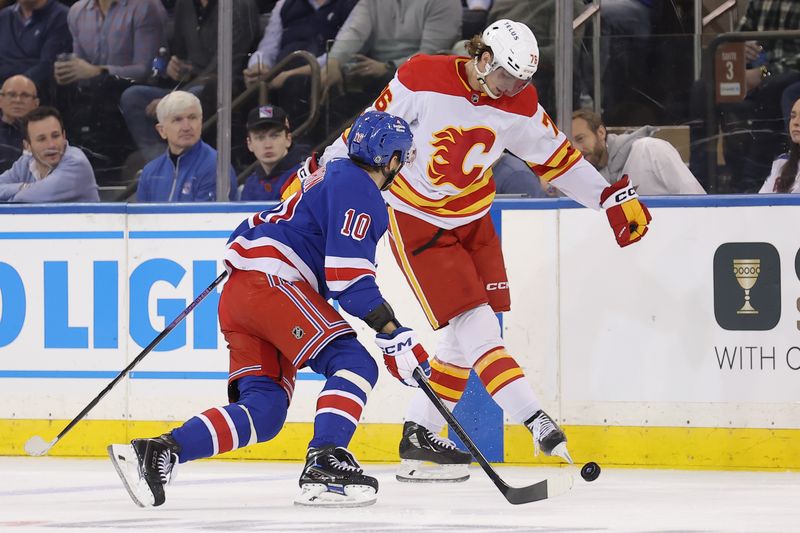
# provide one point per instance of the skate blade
(123, 457)
(319, 495)
(413, 471)
(560, 450)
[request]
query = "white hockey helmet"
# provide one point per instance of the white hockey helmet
(514, 47)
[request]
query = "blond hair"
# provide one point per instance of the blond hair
(174, 103)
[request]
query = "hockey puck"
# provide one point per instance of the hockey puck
(590, 471)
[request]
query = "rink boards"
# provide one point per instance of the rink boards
(647, 354)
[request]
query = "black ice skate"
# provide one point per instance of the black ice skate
(547, 436)
(145, 466)
(425, 456)
(333, 478)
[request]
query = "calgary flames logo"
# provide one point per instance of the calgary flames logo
(451, 147)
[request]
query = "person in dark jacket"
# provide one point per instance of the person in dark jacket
(270, 140)
(308, 25)
(32, 34)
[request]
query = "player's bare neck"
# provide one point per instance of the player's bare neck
(472, 76)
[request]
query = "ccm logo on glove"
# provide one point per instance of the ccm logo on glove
(626, 214)
(627, 194)
(399, 347)
(402, 354)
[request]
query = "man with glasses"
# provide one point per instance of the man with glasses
(17, 97)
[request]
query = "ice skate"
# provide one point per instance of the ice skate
(333, 478)
(425, 456)
(145, 466)
(547, 436)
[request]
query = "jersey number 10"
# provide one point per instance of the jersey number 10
(355, 226)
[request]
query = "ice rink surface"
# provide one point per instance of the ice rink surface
(55, 494)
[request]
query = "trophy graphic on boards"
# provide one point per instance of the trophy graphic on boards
(746, 272)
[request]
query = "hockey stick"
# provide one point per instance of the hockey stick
(36, 445)
(547, 488)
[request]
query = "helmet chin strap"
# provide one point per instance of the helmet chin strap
(482, 79)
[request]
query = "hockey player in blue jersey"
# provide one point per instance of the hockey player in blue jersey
(284, 264)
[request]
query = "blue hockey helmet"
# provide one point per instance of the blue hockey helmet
(375, 137)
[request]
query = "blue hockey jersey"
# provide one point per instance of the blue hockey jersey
(325, 234)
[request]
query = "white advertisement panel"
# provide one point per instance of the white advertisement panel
(696, 325)
(664, 333)
(64, 312)
(82, 294)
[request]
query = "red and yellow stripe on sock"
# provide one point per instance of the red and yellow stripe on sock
(448, 380)
(496, 369)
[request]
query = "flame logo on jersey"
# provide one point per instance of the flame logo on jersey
(451, 147)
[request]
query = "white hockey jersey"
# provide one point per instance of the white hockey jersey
(459, 133)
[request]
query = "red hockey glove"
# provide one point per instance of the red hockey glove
(402, 354)
(626, 214)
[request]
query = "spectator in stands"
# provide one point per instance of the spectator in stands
(269, 139)
(783, 176)
(296, 25)
(117, 38)
(187, 171)
(114, 43)
(50, 170)
(754, 129)
(653, 165)
(788, 98)
(32, 34)
(192, 65)
(625, 26)
(377, 37)
(380, 36)
(17, 98)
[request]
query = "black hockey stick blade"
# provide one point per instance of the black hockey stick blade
(37, 446)
(541, 490)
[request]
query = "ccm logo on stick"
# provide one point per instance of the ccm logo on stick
(497, 286)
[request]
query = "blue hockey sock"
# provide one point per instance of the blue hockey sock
(351, 373)
(257, 417)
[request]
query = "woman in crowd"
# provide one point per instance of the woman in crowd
(783, 175)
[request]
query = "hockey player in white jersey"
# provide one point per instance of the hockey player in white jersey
(465, 111)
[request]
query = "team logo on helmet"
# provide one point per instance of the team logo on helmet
(452, 146)
(298, 332)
